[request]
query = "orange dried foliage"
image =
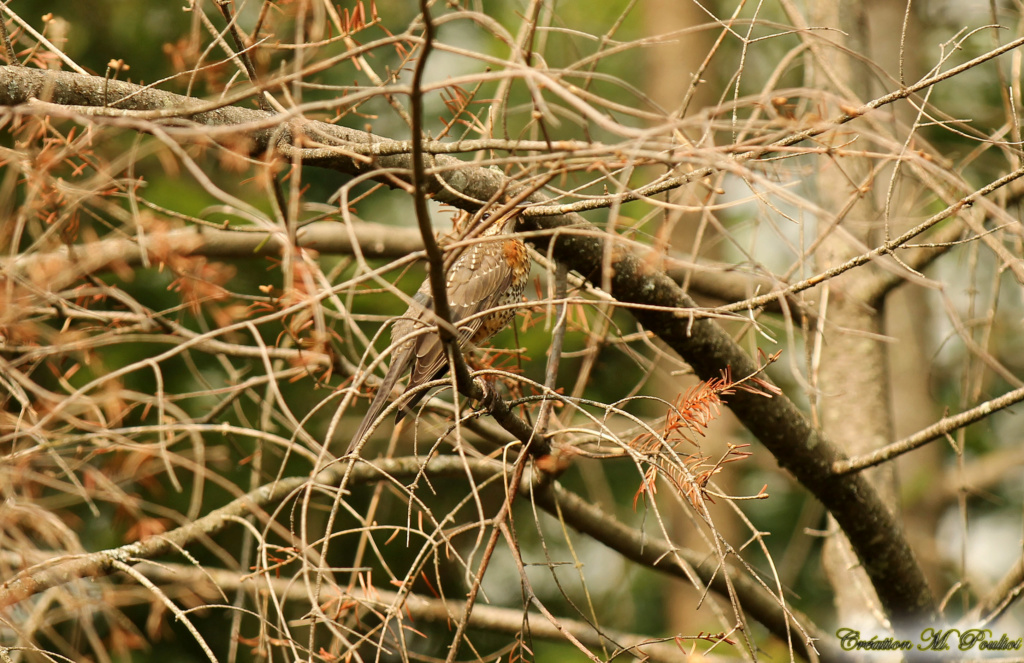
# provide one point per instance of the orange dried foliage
(14, 328)
(115, 408)
(147, 527)
(234, 158)
(695, 409)
(457, 101)
(555, 464)
(181, 53)
(691, 479)
(521, 652)
(692, 412)
(256, 645)
(354, 21)
(200, 282)
(124, 641)
(690, 415)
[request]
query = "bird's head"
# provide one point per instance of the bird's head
(502, 225)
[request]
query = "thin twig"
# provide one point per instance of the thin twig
(485, 560)
(1006, 592)
(879, 251)
(243, 53)
(935, 431)
(42, 40)
(12, 56)
(555, 349)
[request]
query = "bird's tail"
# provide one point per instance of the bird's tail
(409, 406)
(380, 399)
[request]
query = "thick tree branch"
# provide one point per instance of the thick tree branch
(776, 422)
(493, 619)
(586, 518)
(63, 267)
(212, 583)
(589, 519)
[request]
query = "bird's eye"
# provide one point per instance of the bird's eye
(485, 216)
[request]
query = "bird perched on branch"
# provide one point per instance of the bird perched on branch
(482, 281)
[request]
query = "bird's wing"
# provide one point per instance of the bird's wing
(475, 281)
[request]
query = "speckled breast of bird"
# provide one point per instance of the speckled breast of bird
(514, 252)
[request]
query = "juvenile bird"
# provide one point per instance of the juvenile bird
(488, 274)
